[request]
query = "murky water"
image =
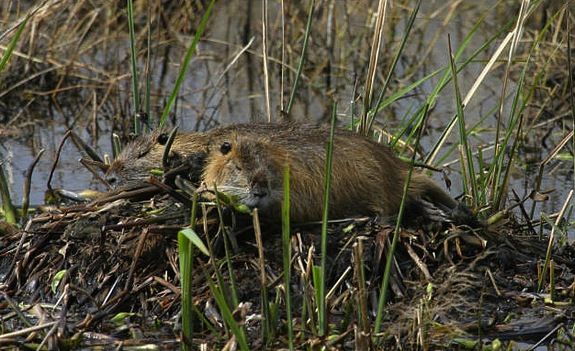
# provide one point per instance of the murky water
(220, 90)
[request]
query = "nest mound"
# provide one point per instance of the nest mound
(106, 273)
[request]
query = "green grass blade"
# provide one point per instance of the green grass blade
(12, 44)
(187, 240)
(467, 168)
(186, 255)
(194, 239)
(7, 205)
(286, 251)
(227, 314)
(134, 66)
(390, 253)
(322, 320)
(233, 296)
(185, 63)
(302, 58)
(433, 96)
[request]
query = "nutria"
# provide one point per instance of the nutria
(138, 158)
(367, 178)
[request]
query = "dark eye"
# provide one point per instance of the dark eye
(162, 139)
(225, 148)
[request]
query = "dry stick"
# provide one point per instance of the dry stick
(12, 275)
(26, 17)
(282, 63)
(543, 339)
(372, 68)
(231, 64)
(552, 154)
(570, 82)
(361, 339)
(83, 146)
(265, 56)
(135, 259)
(89, 164)
(27, 184)
(146, 190)
(431, 157)
(168, 146)
(552, 239)
(27, 331)
(51, 332)
(516, 36)
(48, 184)
(173, 193)
(262, 266)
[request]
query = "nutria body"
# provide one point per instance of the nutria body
(367, 178)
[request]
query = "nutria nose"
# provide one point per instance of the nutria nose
(259, 191)
(112, 180)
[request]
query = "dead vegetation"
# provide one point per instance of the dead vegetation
(107, 271)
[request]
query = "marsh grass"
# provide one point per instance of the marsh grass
(306, 307)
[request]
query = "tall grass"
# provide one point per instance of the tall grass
(383, 292)
(287, 254)
(185, 63)
(187, 240)
(321, 272)
(311, 319)
(134, 66)
(302, 58)
(468, 169)
(8, 208)
(373, 110)
(373, 64)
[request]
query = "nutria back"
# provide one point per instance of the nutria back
(367, 178)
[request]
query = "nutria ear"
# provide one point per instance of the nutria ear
(225, 148)
(162, 139)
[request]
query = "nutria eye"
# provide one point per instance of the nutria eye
(225, 148)
(162, 139)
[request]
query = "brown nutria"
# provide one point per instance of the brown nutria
(139, 157)
(367, 178)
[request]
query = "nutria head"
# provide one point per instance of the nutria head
(246, 169)
(142, 155)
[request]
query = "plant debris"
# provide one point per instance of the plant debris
(105, 273)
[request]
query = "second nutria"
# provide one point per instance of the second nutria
(139, 157)
(366, 176)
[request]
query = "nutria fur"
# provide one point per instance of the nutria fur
(367, 178)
